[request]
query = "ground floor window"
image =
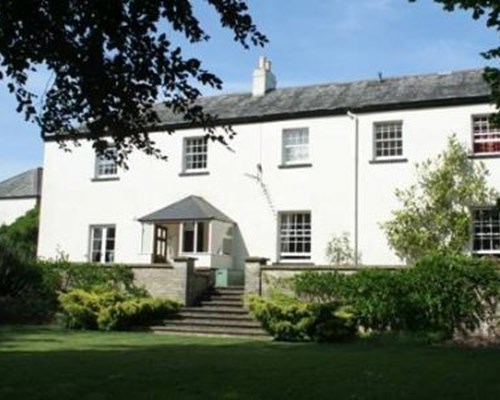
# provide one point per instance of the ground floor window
(486, 231)
(295, 236)
(102, 243)
(195, 237)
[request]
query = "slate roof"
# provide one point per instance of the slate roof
(26, 184)
(460, 87)
(188, 209)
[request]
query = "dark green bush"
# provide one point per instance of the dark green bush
(377, 296)
(288, 319)
(453, 293)
(440, 293)
(320, 287)
(111, 309)
(22, 234)
(23, 294)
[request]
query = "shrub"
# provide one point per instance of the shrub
(23, 295)
(440, 293)
(80, 308)
(22, 234)
(455, 293)
(319, 287)
(111, 309)
(379, 298)
(289, 319)
(136, 312)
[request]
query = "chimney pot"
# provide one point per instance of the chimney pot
(263, 79)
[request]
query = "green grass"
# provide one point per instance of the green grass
(48, 363)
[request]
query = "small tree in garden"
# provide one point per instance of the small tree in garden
(435, 215)
(339, 250)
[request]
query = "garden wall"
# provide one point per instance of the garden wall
(179, 281)
(261, 277)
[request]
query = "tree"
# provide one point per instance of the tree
(22, 234)
(111, 61)
(435, 215)
(339, 250)
(491, 10)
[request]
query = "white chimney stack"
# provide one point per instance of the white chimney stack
(263, 79)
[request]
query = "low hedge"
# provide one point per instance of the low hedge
(111, 309)
(288, 319)
(440, 293)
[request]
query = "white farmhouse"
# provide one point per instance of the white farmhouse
(306, 163)
(19, 194)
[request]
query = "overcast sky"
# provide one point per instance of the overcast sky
(311, 41)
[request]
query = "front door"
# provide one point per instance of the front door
(160, 245)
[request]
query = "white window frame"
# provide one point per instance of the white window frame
(208, 227)
(394, 130)
(187, 152)
(103, 250)
(481, 123)
(285, 160)
(478, 234)
(302, 233)
(106, 167)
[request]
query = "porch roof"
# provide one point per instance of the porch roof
(187, 209)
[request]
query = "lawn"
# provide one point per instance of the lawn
(48, 363)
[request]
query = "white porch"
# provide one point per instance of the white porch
(191, 227)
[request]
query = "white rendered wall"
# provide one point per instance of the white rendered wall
(11, 209)
(72, 201)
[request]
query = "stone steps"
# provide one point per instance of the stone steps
(222, 303)
(202, 314)
(211, 330)
(221, 312)
(214, 322)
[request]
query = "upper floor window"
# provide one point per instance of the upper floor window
(105, 165)
(102, 243)
(295, 146)
(486, 230)
(295, 235)
(387, 140)
(485, 135)
(195, 153)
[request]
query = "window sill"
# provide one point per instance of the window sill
(291, 166)
(105, 179)
(483, 156)
(194, 173)
(388, 161)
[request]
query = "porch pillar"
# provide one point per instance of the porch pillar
(253, 265)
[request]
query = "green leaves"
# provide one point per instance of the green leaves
(111, 61)
(435, 216)
(445, 294)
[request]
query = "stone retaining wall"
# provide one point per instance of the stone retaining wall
(179, 281)
(261, 277)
